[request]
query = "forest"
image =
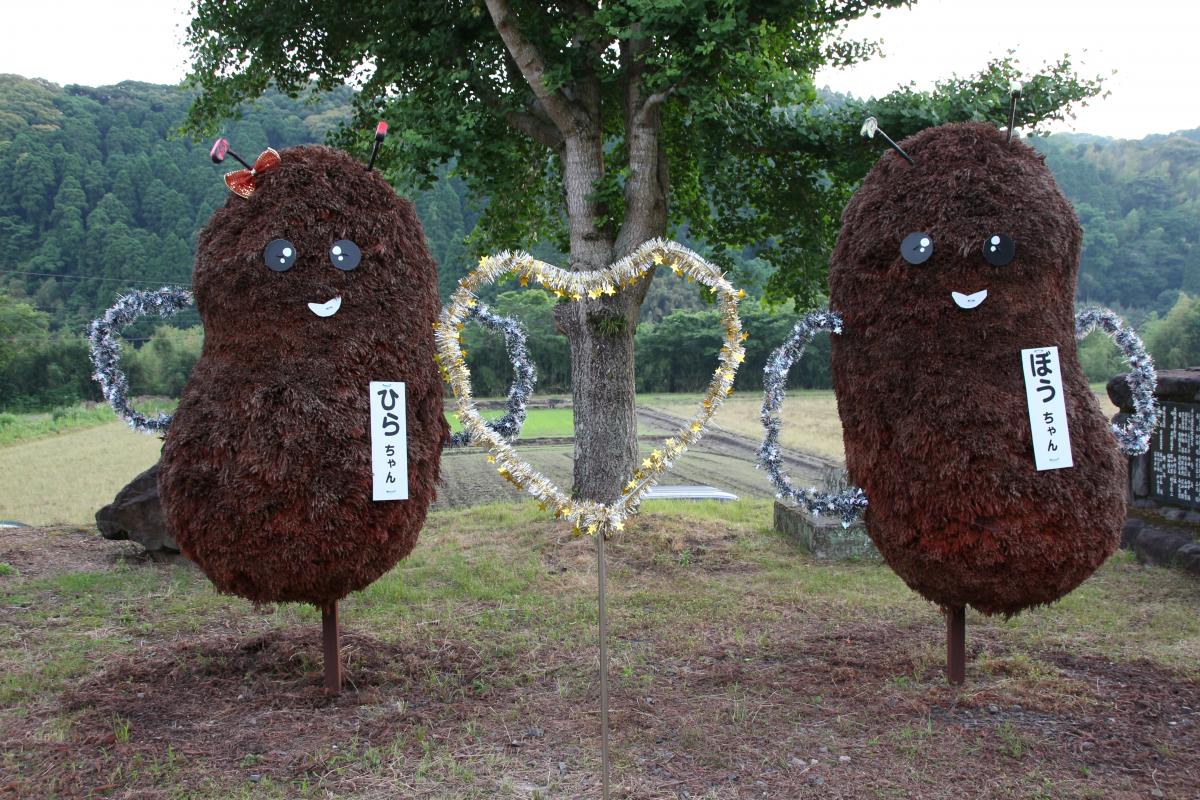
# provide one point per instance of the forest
(99, 194)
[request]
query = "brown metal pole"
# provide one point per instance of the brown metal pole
(333, 651)
(956, 644)
(600, 579)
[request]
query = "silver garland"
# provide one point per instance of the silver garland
(849, 504)
(524, 376)
(1134, 436)
(104, 336)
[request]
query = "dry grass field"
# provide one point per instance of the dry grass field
(810, 417)
(66, 477)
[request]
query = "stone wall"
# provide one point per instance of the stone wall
(1158, 531)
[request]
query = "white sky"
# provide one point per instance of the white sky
(1151, 44)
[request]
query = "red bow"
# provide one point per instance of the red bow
(242, 181)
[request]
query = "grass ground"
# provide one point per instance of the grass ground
(539, 422)
(25, 427)
(740, 667)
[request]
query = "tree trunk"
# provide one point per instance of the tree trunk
(601, 338)
(601, 331)
(602, 387)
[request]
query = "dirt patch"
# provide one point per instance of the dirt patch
(41, 552)
(252, 706)
(704, 545)
(806, 711)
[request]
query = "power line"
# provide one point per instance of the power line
(49, 339)
(127, 282)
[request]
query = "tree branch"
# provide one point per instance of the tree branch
(655, 100)
(534, 125)
(532, 66)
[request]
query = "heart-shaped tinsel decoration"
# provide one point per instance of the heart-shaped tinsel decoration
(589, 516)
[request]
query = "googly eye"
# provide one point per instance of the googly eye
(344, 254)
(917, 248)
(280, 255)
(999, 249)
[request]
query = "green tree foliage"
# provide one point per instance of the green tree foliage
(490, 369)
(53, 372)
(1100, 358)
(679, 353)
(21, 325)
(1174, 340)
(161, 366)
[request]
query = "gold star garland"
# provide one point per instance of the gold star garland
(588, 516)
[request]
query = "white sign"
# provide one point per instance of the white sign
(389, 441)
(1047, 408)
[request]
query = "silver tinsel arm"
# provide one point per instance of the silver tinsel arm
(849, 504)
(524, 376)
(1134, 436)
(104, 338)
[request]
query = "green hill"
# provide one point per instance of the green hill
(1139, 202)
(99, 195)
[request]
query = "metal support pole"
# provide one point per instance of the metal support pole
(333, 650)
(604, 767)
(956, 644)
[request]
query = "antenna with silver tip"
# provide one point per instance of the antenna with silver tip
(1012, 110)
(870, 127)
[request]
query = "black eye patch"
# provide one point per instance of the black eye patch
(999, 249)
(344, 254)
(917, 248)
(280, 255)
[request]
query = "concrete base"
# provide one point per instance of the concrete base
(824, 537)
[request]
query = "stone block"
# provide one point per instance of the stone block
(1139, 475)
(824, 538)
(1129, 533)
(1187, 558)
(1157, 546)
(136, 514)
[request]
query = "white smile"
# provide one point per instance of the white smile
(327, 309)
(969, 300)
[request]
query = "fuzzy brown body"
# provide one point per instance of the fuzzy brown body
(932, 396)
(266, 476)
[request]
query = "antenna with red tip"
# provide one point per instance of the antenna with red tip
(380, 132)
(220, 149)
